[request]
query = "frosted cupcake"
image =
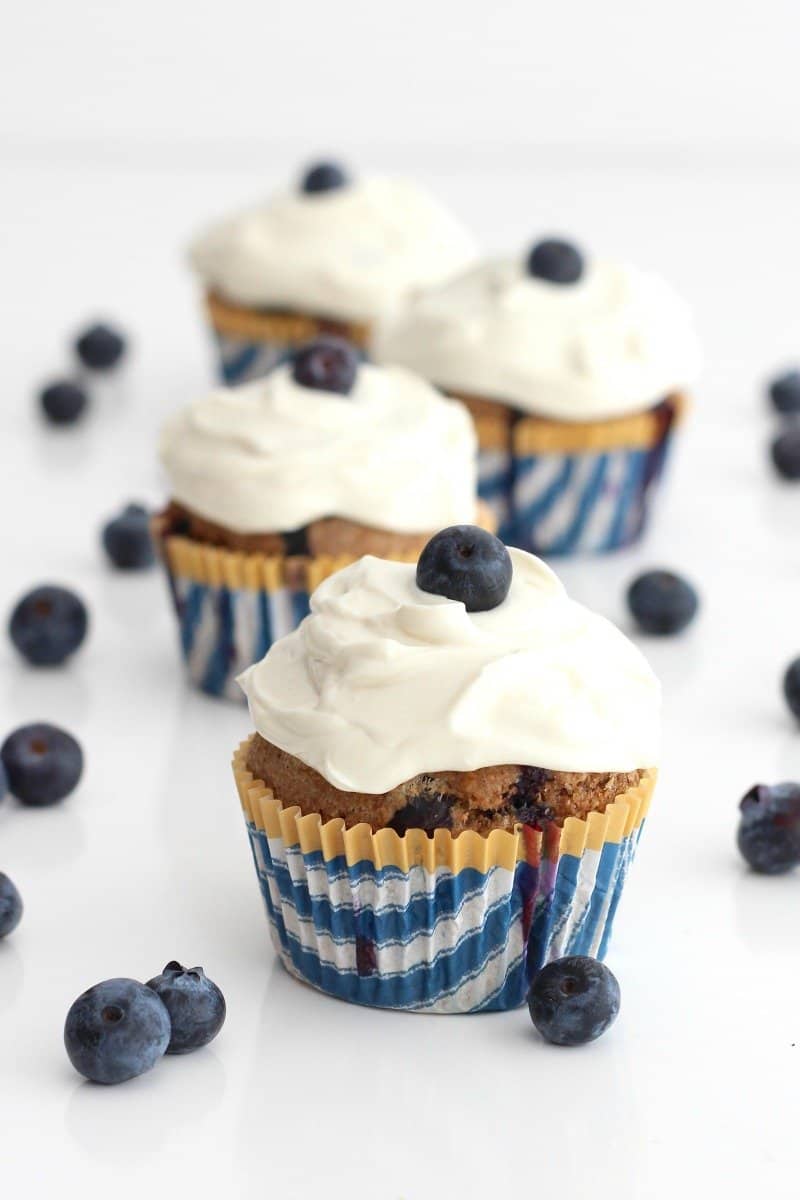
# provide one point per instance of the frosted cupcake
(450, 771)
(330, 255)
(576, 373)
(279, 482)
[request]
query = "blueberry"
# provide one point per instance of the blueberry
(786, 453)
(43, 763)
(784, 392)
(573, 1000)
(195, 1005)
(662, 602)
(63, 402)
(10, 906)
(48, 624)
(127, 540)
(324, 177)
(468, 564)
(117, 1030)
(100, 347)
(556, 261)
(328, 364)
(791, 687)
(769, 828)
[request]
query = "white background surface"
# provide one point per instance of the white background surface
(664, 134)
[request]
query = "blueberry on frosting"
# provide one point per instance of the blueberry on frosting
(324, 177)
(468, 564)
(328, 364)
(556, 261)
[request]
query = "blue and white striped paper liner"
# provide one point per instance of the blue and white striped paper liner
(242, 359)
(223, 630)
(431, 940)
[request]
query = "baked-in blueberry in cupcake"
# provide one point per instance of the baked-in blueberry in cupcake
(575, 369)
(450, 769)
(331, 253)
(279, 482)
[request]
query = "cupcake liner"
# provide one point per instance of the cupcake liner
(435, 924)
(563, 488)
(231, 606)
(251, 343)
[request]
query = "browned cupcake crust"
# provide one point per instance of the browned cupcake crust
(483, 800)
(333, 536)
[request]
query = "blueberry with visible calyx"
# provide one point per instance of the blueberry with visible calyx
(468, 564)
(100, 347)
(43, 763)
(328, 364)
(127, 540)
(785, 452)
(195, 1005)
(784, 392)
(791, 687)
(662, 602)
(48, 624)
(573, 1000)
(323, 177)
(10, 906)
(556, 261)
(769, 828)
(63, 402)
(116, 1030)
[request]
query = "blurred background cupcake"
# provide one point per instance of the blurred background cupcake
(277, 483)
(575, 371)
(450, 771)
(330, 255)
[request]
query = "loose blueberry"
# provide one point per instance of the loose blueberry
(43, 763)
(784, 392)
(662, 602)
(63, 402)
(127, 540)
(100, 347)
(195, 1005)
(791, 687)
(48, 624)
(324, 177)
(10, 906)
(573, 1000)
(328, 364)
(769, 828)
(116, 1030)
(786, 453)
(468, 564)
(556, 261)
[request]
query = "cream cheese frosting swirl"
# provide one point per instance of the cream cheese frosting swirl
(349, 253)
(616, 341)
(384, 681)
(272, 456)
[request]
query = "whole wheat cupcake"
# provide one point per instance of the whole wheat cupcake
(331, 254)
(576, 374)
(451, 766)
(277, 483)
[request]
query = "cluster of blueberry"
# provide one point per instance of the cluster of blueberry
(784, 392)
(99, 348)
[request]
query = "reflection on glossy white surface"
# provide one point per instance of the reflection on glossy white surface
(303, 1096)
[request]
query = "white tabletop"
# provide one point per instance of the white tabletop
(301, 1095)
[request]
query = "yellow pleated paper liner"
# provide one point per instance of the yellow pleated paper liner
(251, 324)
(552, 858)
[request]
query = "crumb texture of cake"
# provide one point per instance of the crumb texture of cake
(499, 797)
(392, 459)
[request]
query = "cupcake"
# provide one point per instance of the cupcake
(450, 770)
(330, 255)
(576, 373)
(279, 482)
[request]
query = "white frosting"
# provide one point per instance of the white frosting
(272, 456)
(349, 253)
(383, 682)
(617, 341)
